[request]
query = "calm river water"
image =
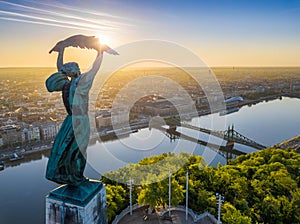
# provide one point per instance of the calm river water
(23, 187)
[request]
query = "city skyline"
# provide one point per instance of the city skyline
(221, 33)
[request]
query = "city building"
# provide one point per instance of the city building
(11, 134)
(48, 130)
(32, 133)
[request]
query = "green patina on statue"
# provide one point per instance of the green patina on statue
(68, 156)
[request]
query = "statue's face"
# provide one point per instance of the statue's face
(71, 69)
(72, 75)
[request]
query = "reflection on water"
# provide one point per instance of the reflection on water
(23, 189)
(23, 186)
(28, 158)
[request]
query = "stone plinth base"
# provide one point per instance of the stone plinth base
(85, 204)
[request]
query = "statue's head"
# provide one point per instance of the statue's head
(70, 69)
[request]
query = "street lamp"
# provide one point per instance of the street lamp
(170, 193)
(130, 186)
(219, 201)
(187, 195)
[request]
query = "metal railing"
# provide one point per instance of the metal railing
(125, 212)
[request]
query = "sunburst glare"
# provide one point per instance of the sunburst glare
(104, 39)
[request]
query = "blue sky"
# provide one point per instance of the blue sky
(221, 32)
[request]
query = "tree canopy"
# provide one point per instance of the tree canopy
(261, 187)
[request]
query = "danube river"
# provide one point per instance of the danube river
(23, 187)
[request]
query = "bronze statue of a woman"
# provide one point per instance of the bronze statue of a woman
(67, 160)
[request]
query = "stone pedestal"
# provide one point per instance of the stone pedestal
(85, 204)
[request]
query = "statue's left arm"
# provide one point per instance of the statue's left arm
(96, 65)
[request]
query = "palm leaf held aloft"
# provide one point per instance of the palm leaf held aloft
(85, 42)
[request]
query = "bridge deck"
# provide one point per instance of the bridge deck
(218, 148)
(228, 135)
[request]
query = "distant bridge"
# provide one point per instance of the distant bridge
(230, 135)
(227, 151)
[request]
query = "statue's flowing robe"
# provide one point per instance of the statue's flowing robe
(68, 156)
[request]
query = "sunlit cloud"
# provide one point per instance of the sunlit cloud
(61, 17)
(48, 12)
(59, 6)
(75, 24)
(44, 23)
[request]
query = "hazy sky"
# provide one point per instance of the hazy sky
(221, 32)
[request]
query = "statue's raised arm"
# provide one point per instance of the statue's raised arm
(60, 59)
(84, 42)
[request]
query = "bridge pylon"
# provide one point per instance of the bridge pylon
(229, 150)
